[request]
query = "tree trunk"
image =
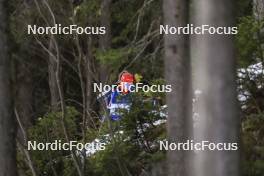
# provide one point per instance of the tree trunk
(218, 120)
(258, 9)
(89, 79)
(105, 40)
(177, 74)
(7, 121)
(52, 64)
(24, 98)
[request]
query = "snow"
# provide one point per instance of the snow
(252, 72)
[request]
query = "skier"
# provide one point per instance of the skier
(119, 99)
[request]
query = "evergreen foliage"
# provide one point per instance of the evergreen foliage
(137, 46)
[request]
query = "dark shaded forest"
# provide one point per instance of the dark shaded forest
(47, 88)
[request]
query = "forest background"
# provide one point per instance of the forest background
(52, 76)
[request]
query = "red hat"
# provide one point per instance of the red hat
(127, 77)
